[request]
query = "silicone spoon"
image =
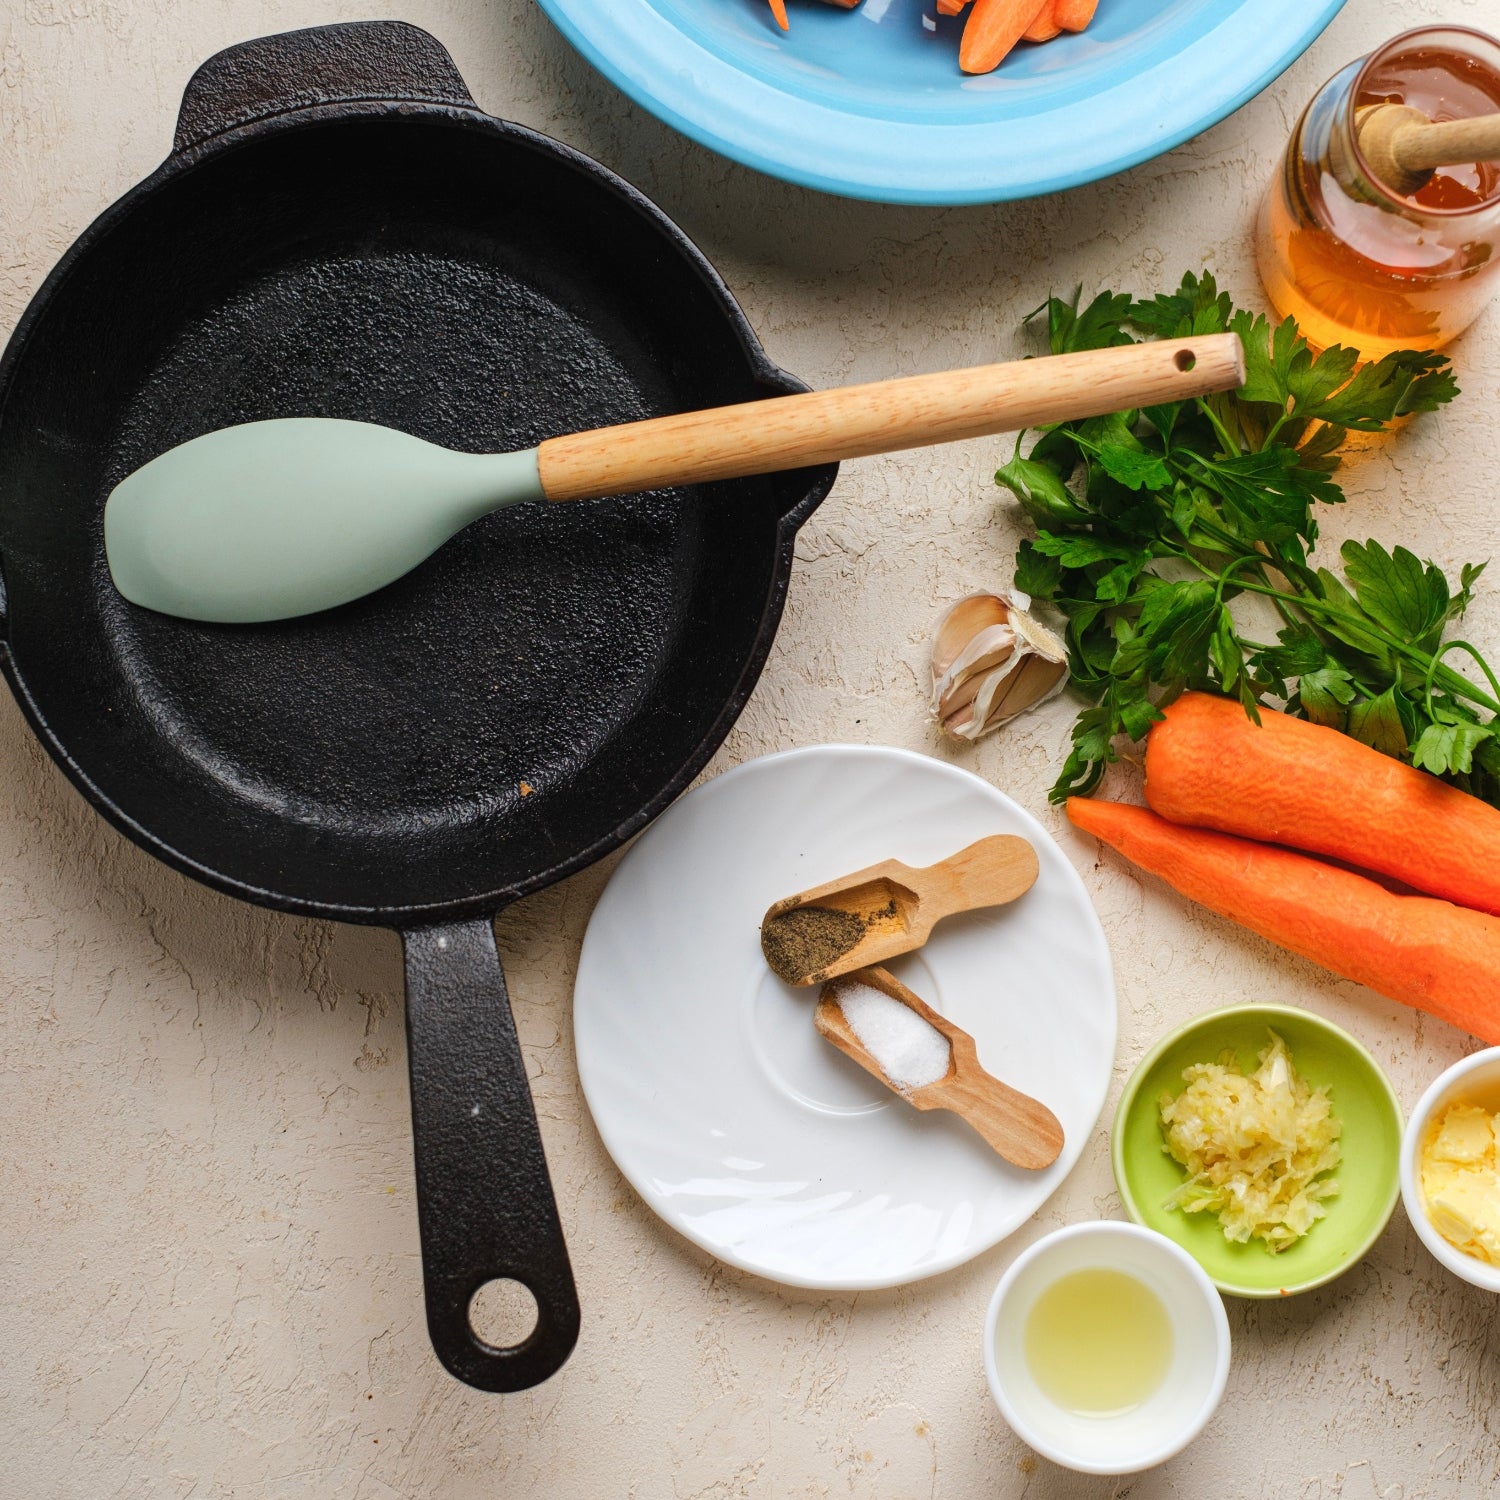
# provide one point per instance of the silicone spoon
(281, 518)
(899, 904)
(1019, 1128)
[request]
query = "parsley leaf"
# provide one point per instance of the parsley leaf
(1099, 326)
(1395, 589)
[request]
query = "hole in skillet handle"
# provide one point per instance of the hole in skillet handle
(485, 1206)
(503, 1313)
(1184, 359)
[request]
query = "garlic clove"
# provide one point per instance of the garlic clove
(1009, 663)
(993, 646)
(961, 624)
(1045, 642)
(1034, 681)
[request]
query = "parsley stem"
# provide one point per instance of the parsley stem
(1478, 660)
(1231, 448)
(1276, 427)
(1224, 575)
(1277, 598)
(1455, 682)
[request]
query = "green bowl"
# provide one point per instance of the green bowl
(1369, 1175)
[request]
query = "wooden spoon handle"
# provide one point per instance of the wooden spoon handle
(788, 432)
(990, 872)
(1419, 148)
(1016, 1126)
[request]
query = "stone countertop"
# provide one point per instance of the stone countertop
(210, 1274)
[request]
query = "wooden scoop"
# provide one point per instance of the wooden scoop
(898, 905)
(1402, 146)
(1019, 1128)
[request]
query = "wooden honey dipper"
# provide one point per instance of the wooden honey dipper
(1403, 147)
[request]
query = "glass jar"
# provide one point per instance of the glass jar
(1357, 263)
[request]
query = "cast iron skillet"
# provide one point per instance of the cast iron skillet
(339, 231)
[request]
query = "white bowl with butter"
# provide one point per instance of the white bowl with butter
(1450, 1168)
(1106, 1347)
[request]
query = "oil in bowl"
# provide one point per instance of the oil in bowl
(1106, 1348)
(1098, 1342)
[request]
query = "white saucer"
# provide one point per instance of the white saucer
(734, 1119)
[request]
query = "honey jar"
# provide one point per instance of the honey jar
(1352, 256)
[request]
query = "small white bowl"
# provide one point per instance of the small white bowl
(1168, 1420)
(1474, 1080)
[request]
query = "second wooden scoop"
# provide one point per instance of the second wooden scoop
(897, 905)
(280, 518)
(1019, 1128)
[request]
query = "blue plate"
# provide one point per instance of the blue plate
(870, 103)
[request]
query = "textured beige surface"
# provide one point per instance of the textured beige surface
(208, 1273)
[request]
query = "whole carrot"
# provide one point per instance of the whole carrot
(1440, 958)
(993, 28)
(1290, 782)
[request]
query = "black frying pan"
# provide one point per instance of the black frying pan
(339, 231)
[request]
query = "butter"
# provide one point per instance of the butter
(1465, 1134)
(1461, 1181)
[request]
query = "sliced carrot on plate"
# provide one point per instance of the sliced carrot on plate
(950, 7)
(993, 28)
(1045, 27)
(1074, 15)
(778, 9)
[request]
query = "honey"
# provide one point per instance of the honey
(1357, 263)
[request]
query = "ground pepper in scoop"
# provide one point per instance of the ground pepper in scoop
(806, 939)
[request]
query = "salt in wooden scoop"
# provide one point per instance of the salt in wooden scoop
(889, 908)
(285, 517)
(1019, 1128)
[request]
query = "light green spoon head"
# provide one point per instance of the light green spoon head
(275, 519)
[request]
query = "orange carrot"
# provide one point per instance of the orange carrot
(950, 7)
(1430, 954)
(778, 9)
(1074, 15)
(1287, 781)
(993, 28)
(1044, 27)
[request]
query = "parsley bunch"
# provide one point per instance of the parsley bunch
(1151, 524)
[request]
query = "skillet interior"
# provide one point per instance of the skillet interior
(470, 286)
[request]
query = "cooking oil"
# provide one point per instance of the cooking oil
(1098, 1342)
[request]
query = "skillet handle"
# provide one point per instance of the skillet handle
(273, 75)
(484, 1202)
